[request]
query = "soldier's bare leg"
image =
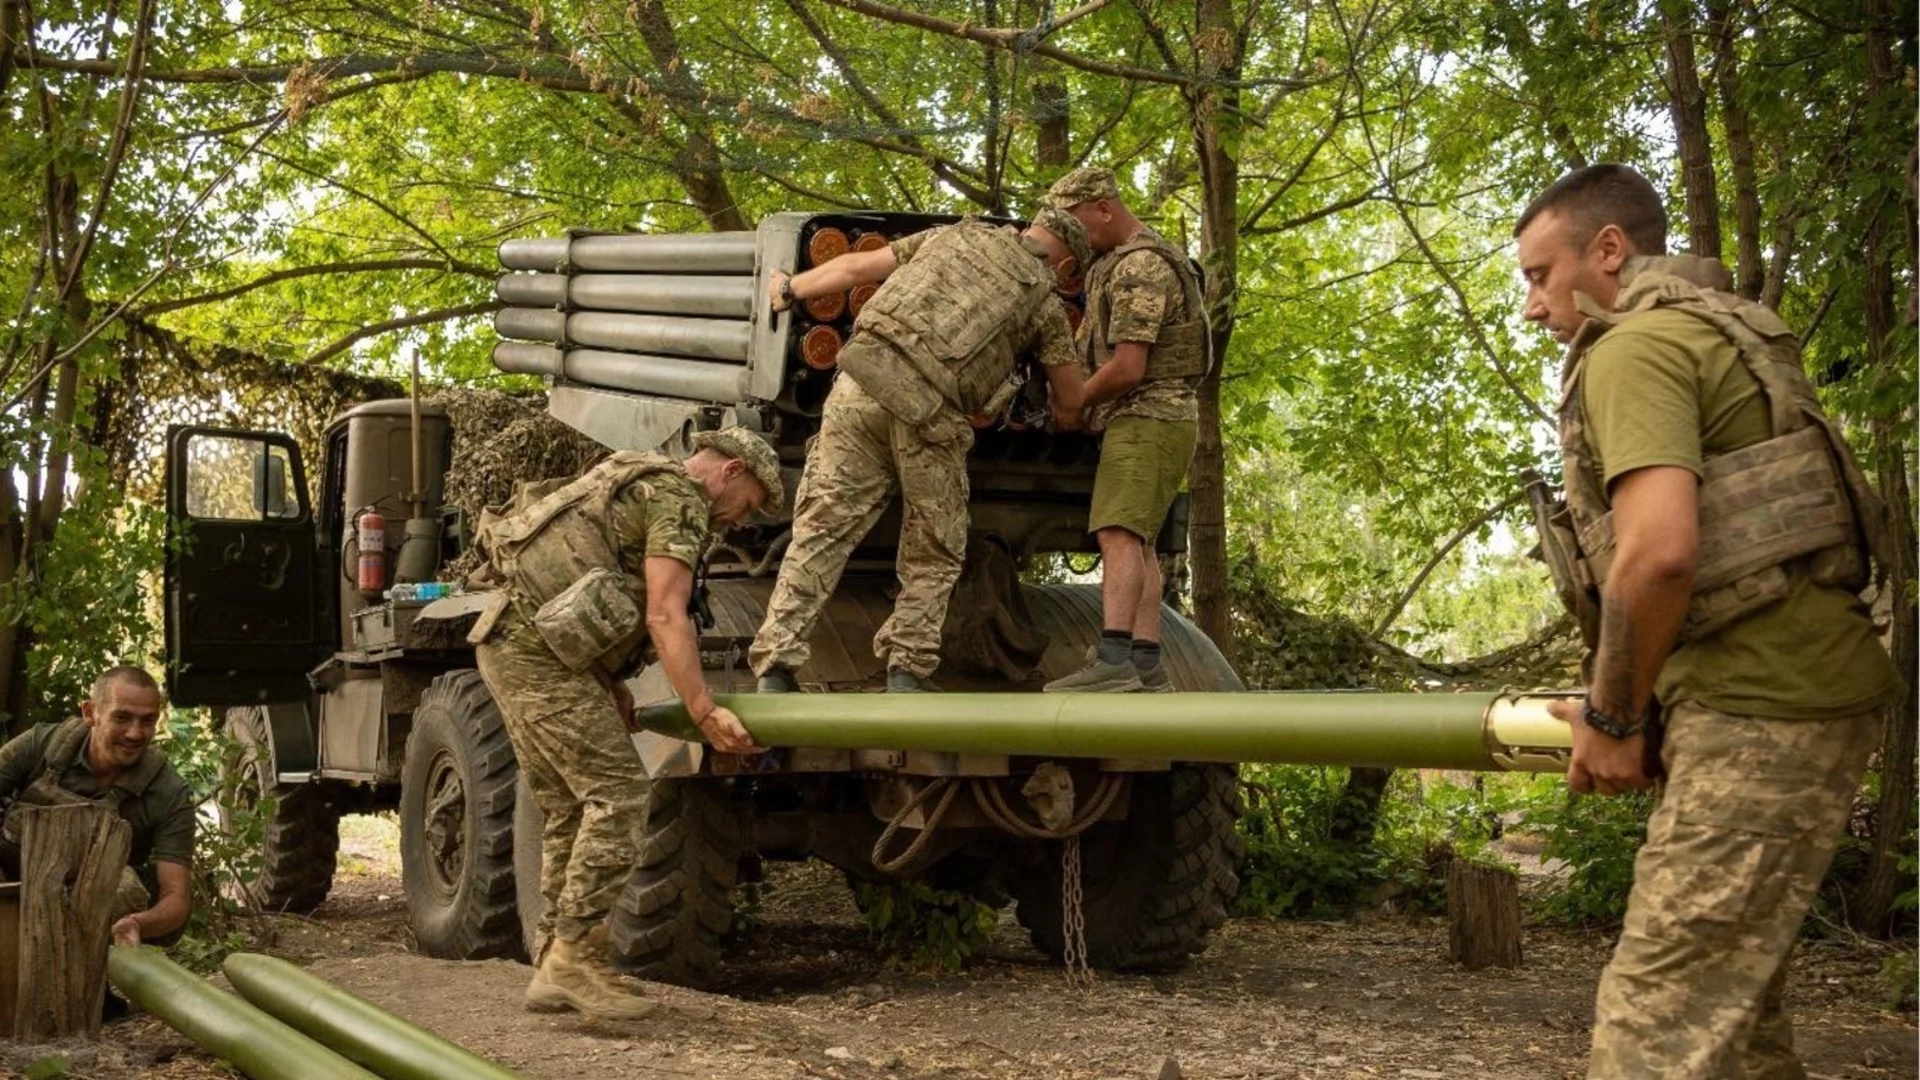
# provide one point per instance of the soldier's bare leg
(843, 488)
(932, 468)
(1123, 576)
(1750, 818)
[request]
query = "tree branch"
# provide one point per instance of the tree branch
(422, 319)
(1433, 562)
(1005, 38)
(941, 167)
(117, 150)
(292, 273)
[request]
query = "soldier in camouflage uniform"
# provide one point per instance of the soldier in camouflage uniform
(591, 574)
(1145, 347)
(938, 341)
(1713, 540)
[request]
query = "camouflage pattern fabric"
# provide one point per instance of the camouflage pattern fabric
(1750, 818)
(1796, 508)
(863, 455)
(1141, 292)
(583, 771)
(1083, 184)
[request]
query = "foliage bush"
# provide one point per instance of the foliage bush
(92, 610)
(921, 926)
(224, 855)
(1596, 838)
(1316, 850)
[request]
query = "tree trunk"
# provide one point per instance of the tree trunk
(1749, 274)
(1051, 115)
(698, 167)
(71, 858)
(1894, 814)
(1357, 816)
(1689, 106)
(1483, 915)
(1216, 119)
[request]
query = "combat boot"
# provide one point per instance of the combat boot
(902, 681)
(778, 680)
(568, 978)
(1098, 677)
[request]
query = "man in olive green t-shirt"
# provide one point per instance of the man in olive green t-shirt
(106, 755)
(1768, 718)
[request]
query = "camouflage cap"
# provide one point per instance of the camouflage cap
(1069, 230)
(752, 450)
(1084, 184)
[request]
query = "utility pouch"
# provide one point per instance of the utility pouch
(482, 629)
(588, 618)
(1560, 550)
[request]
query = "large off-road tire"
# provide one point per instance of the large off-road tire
(456, 822)
(301, 840)
(677, 908)
(1154, 885)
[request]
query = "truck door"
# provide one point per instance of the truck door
(243, 609)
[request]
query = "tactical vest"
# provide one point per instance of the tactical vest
(62, 752)
(1793, 505)
(1184, 348)
(951, 313)
(542, 547)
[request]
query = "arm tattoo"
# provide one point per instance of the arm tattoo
(1614, 665)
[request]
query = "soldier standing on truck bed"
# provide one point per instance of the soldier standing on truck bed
(937, 342)
(1145, 347)
(589, 575)
(1714, 539)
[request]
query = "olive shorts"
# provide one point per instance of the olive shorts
(1143, 462)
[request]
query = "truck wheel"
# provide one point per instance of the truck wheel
(301, 837)
(456, 822)
(1154, 885)
(678, 905)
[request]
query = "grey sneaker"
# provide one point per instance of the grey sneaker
(1156, 681)
(1097, 677)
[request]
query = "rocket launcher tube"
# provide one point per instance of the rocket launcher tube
(253, 1042)
(1476, 732)
(363, 1032)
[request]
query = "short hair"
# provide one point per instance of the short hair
(136, 677)
(1601, 195)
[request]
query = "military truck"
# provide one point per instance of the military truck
(347, 700)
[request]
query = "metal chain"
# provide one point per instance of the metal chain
(1073, 922)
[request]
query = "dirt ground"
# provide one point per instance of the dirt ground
(805, 996)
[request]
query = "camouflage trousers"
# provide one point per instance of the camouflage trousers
(863, 456)
(582, 768)
(1749, 819)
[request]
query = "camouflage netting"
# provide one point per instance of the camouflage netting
(499, 440)
(165, 380)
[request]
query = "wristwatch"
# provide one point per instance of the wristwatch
(1607, 725)
(786, 289)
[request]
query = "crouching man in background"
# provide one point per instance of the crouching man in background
(106, 755)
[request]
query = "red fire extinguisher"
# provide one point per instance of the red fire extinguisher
(371, 538)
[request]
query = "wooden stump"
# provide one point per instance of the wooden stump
(71, 858)
(1483, 915)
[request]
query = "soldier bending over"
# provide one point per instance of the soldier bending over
(592, 573)
(960, 303)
